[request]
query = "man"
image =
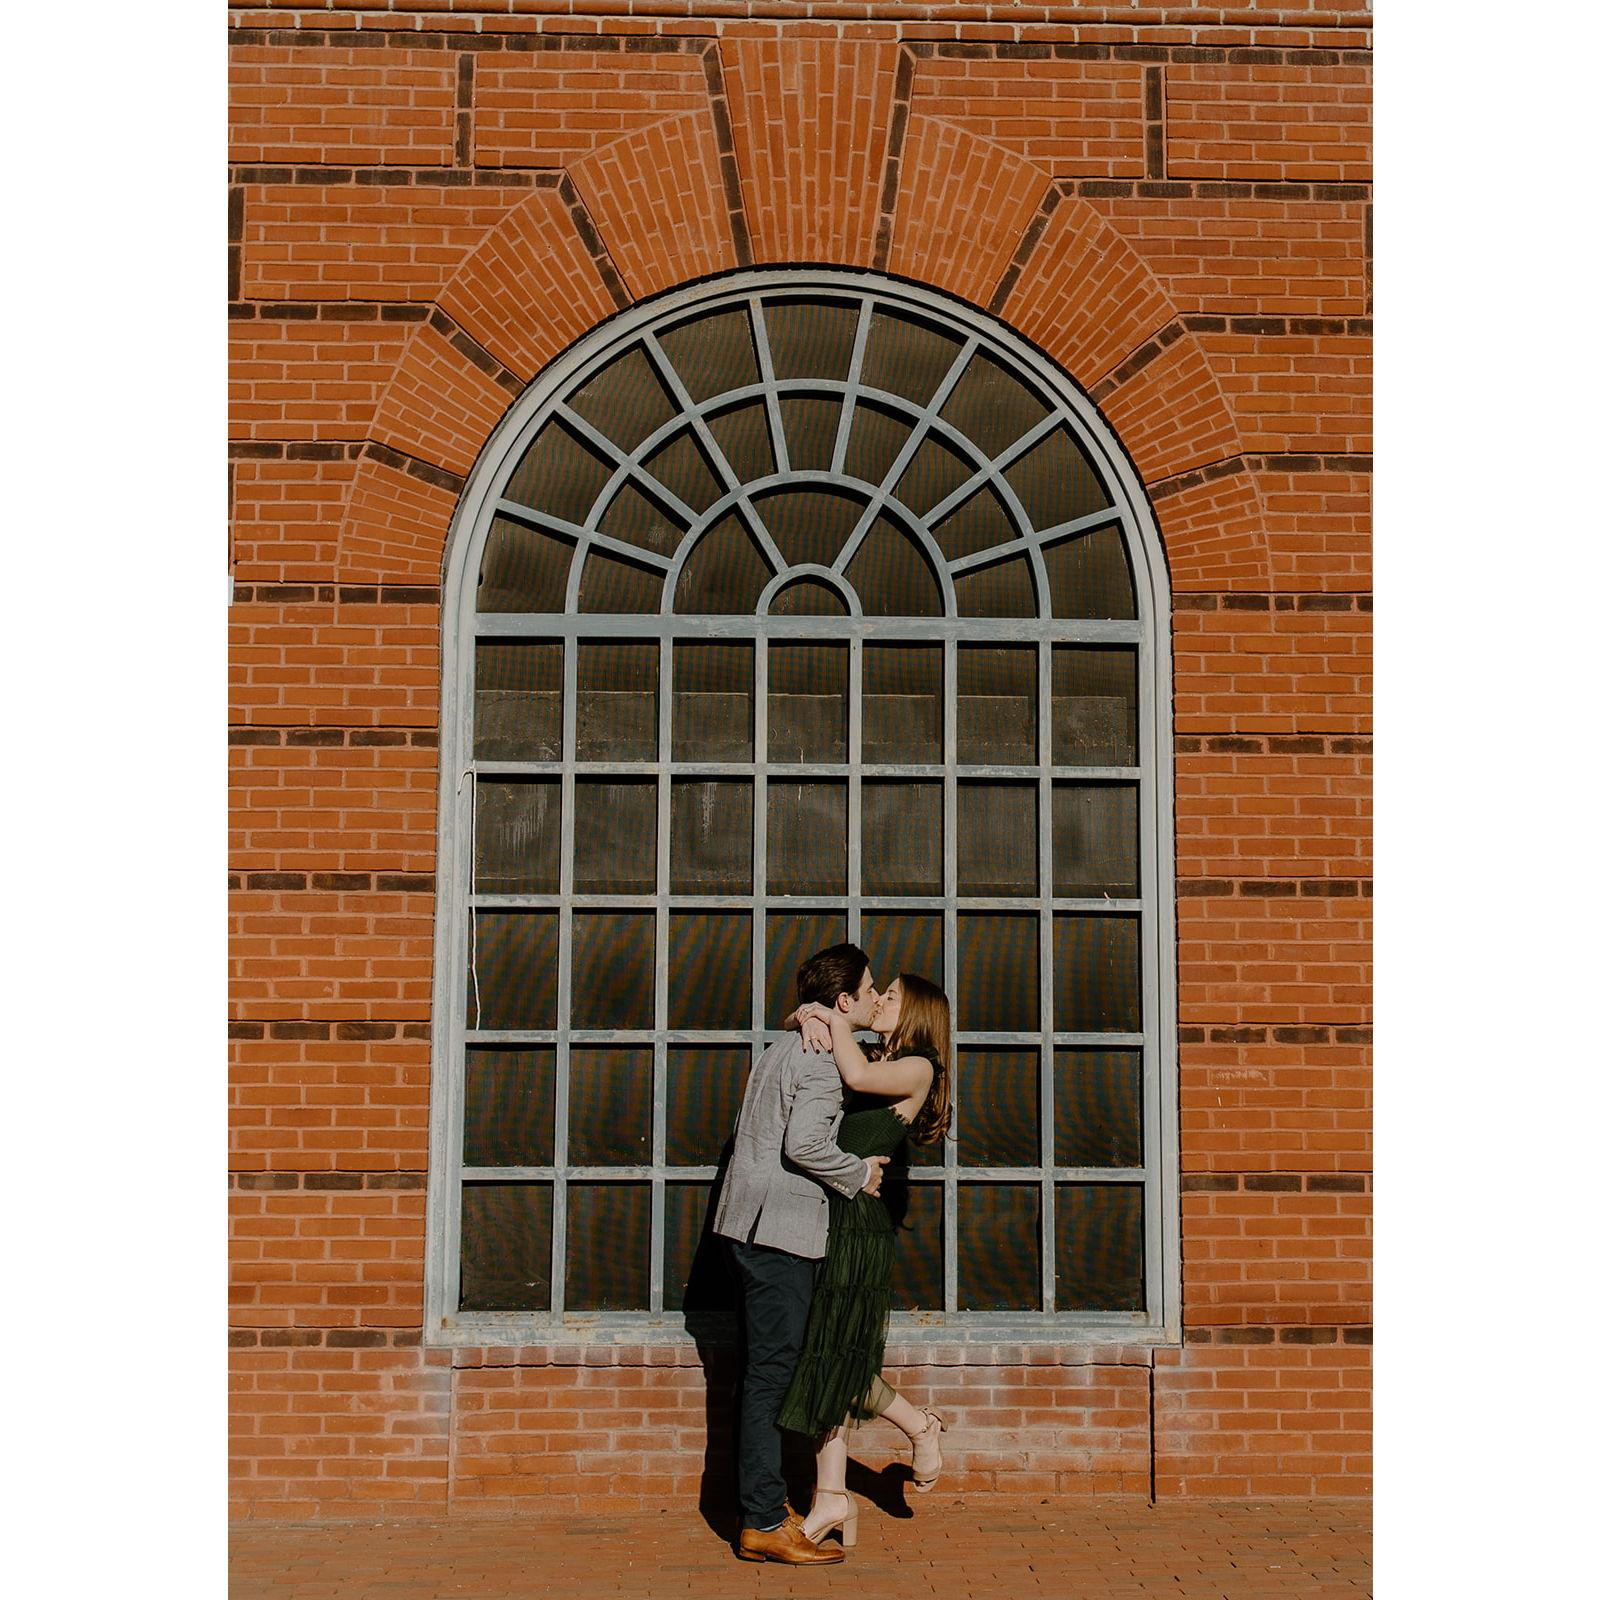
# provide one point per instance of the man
(774, 1214)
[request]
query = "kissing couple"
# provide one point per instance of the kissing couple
(812, 1243)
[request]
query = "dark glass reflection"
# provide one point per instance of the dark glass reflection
(806, 834)
(1099, 1247)
(613, 969)
(505, 1246)
(1099, 1098)
(712, 836)
(708, 969)
(510, 1100)
(1094, 707)
(517, 836)
(511, 977)
(713, 702)
(999, 1098)
(997, 833)
(705, 1087)
(998, 1247)
(808, 702)
(999, 972)
(617, 689)
(609, 1106)
(902, 705)
(1097, 974)
(516, 708)
(614, 836)
(608, 1247)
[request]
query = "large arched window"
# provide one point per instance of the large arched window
(791, 607)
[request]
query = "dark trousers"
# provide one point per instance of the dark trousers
(776, 1288)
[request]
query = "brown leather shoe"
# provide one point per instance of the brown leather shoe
(786, 1544)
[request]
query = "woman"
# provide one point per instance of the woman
(903, 1090)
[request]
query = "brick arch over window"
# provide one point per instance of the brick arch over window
(905, 193)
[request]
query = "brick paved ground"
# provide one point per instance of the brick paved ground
(1075, 1550)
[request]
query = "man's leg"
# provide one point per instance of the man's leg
(777, 1298)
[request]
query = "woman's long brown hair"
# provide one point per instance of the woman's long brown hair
(924, 1029)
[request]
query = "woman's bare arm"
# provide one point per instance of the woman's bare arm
(902, 1077)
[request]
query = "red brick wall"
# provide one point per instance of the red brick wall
(427, 203)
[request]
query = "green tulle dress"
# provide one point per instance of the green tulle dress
(845, 1333)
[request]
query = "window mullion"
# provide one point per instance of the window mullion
(951, 976)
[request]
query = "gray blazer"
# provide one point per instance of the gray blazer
(784, 1149)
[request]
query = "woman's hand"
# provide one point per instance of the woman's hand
(815, 1033)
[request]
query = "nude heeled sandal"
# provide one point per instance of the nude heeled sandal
(924, 1481)
(845, 1523)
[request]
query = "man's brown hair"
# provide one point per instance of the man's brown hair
(832, 972)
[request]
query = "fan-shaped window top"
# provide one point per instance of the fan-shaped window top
(841, 430)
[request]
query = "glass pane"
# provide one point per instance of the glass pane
(978, 523)
(560, 474)
(617, 714)
(682, 466)
(1097, 974)
(991, 406)
(613, 969)
(902, 838)
(511, 978)
(1099, 1247)
(793, 936)
(934, 472)
(806, 843)
(744, 436)
(608, 1247)
(917, 1209)
(902, 710)
(523, 569)
(608, 1107)
(876, 439)
(709, 970)
(725, 573)
(697, 1279)
(510, 1107)
(1055, 483)
(810, 339)
(999, 1108)
(705, 1088)
(906, 357)
(807, 702)
(516, 704)
(1094, 715)
(810, 427)
(516, 848)
(713, 354)
(618, 587)
(809, 525)
(614, 837)
(808, 597)
(997, 691)
(505, 1246)
(998, 961)
(713, 702)
(904, 941)
(1096, 848)
(1089, 576)
(892, 576)
(997, 839)
(1006, 589)
(998, 1247)
(625, 400)
(636, 519)
(1099, 1096)
(713, 837)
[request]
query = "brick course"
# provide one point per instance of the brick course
(426, 207)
